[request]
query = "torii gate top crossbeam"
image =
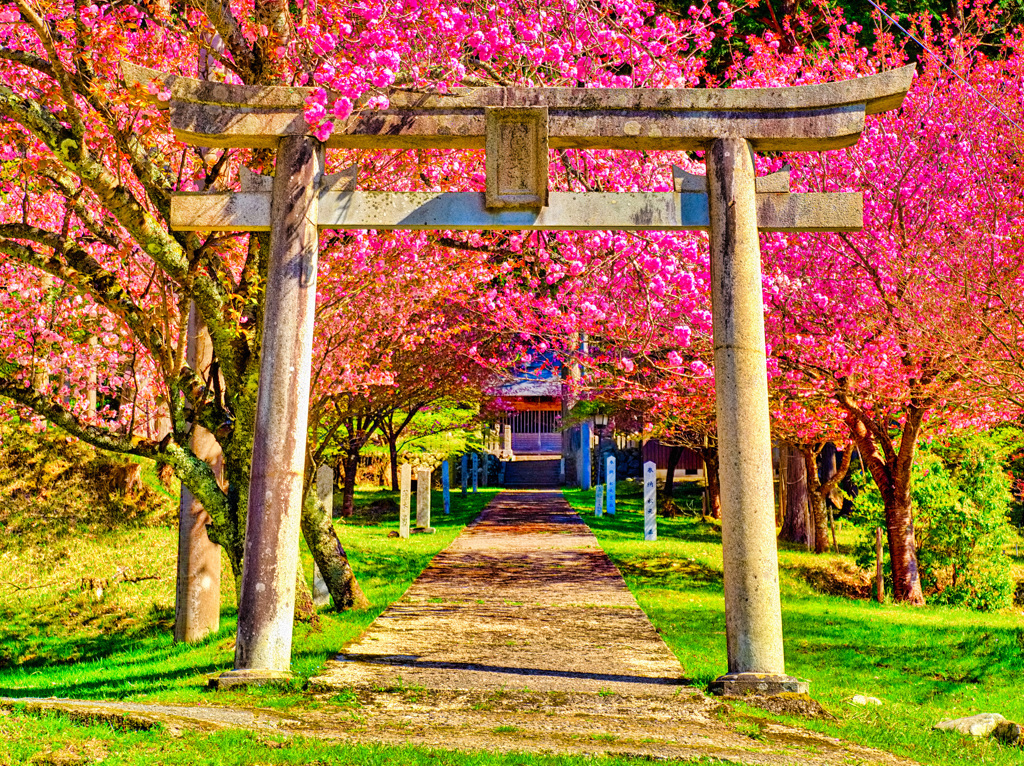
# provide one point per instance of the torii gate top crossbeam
(799, 118)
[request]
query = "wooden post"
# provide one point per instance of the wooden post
(879, 579)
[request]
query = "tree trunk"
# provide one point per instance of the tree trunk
(674, 453)
(349, 465)
(713, 490)
(891, 471)
(794, 522)
(815, 500)
(329, 555)
(393, 454)
(899, 522)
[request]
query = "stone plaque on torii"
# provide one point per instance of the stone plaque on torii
(517, 127)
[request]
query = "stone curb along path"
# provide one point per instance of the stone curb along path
(520, 636)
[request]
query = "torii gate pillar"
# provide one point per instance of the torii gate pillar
(266, 609)
(753, 612)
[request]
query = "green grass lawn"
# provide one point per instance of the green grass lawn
(925, 663)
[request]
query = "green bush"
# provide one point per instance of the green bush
(962, 501)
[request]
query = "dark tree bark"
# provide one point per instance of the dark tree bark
(349, 466)
(674, 454)
(818, 491)
(891, 470)
(794, 520)
(713, 490)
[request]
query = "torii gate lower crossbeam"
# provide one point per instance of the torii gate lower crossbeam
(517, 126)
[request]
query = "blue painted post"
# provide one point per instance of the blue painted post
(476, 471)
(610, 478)
(650, 501)
(446, 488)
(585, 456)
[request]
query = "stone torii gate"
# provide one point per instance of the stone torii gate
(517, 127)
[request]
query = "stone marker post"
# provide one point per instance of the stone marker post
(753, 612)
(476, 471)
(405, 481)
(610, 479)
(598, 500)
(446, 488)
(267, 601)
(423, 499)
(585, 456)
(561, 471)
(484, 468)
(325, 493)
(464, 471)
(650, 501)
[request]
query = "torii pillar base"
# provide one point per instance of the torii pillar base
(235, 679)
(759, 684)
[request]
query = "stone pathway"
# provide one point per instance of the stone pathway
(523, 599)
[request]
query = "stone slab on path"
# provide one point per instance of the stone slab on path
(523, 599)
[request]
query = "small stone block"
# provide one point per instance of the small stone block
(764, 684)
(980, 725)
(233, 679)
(423, 530)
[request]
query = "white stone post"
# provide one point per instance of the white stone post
(650, 501)
(753, 613)
(405, 500)
(446, 488)
(325, 493)
(423, 500)
(598, 500)
(610, 479)
(267, 602)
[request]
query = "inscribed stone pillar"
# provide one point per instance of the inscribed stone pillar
(598, 500)
(446, 488)
(325, 493)
(485, 465)
(423, 498)
(753, 615)
(476, 471)
(404, 511)
(267, 602)
(585, 456)
(197, 587)
(650, 501)
(464, 472)
(506, 440)
(610, 479)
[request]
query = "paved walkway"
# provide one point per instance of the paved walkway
(523, 599)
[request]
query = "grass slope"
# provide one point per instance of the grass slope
(925, 663)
